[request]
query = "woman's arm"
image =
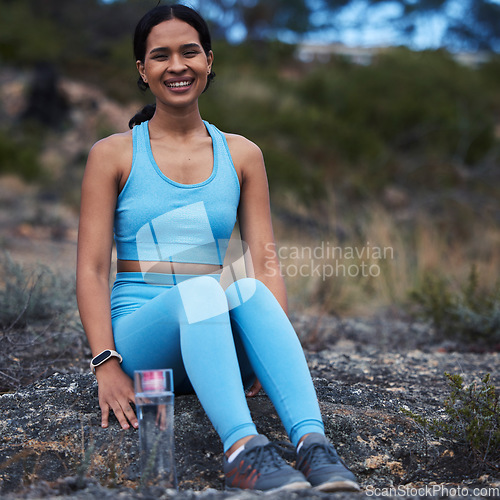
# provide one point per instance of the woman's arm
(254, 215)
(101, 181)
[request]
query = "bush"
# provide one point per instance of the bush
(26, 38)
(472, 424)
(39, 330)
(19, 157)
(471, 314)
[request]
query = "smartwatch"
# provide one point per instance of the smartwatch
(103, 357)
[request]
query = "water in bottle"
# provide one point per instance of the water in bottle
(154, 399)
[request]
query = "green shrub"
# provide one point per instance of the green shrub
(409, 119)
(471, 314)
(472, 424)
(19, 157)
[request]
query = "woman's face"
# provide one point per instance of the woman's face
(175, 65)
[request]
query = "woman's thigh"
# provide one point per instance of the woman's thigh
(149, 337)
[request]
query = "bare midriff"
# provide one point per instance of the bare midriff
(141, 266)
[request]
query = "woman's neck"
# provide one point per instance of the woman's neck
(175, 122)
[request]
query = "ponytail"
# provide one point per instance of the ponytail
(146, 113)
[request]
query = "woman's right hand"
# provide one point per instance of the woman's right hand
(116, 392)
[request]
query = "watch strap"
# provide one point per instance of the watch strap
(102, 357)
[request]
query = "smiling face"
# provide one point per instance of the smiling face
(175, 65)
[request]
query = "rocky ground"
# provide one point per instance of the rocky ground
(52, 444)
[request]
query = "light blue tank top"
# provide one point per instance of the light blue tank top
(158, 219)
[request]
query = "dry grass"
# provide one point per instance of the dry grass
(369, 283)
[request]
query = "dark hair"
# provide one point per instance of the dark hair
(143, 29)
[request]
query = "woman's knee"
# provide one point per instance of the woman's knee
(243, 290)
(202, 298)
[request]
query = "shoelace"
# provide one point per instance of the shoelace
(265, 458)
(320, 454)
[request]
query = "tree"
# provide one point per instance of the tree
(468, 24)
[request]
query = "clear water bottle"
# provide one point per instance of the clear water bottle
(154, 399)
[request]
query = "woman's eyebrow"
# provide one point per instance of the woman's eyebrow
(182, 47)
(190, 46)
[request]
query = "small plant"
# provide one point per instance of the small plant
(84, 466)
(470, 314)
(31, 295)
(472, 423)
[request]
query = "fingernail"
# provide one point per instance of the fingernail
(136, 425)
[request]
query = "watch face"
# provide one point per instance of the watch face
(101, 357)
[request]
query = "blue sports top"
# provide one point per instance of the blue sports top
(158, 219)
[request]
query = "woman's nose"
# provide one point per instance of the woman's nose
(177, 64)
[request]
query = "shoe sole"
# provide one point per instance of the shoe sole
(297, 485)
(333, 486)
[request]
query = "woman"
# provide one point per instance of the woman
(170, 190)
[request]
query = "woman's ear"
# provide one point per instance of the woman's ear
(140, 68)
(210, 60)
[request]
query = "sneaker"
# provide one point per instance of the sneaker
(259, 467)
(322, 467)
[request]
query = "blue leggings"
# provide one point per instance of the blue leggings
(216, 342)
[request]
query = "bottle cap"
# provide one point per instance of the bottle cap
(153, 381)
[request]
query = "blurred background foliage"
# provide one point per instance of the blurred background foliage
(402, 152)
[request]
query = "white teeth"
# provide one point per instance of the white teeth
(179, 84)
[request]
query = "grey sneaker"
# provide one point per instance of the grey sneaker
(322, 467)
(260, 467)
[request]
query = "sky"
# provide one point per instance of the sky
(374, 29)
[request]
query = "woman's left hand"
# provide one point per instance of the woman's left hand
(254, 390)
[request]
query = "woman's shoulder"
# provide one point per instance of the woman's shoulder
(115, 145)
(113, 153)
(247, 157)
(242, 149)
(111, 157)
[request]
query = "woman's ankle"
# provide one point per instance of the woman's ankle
(238, 444)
